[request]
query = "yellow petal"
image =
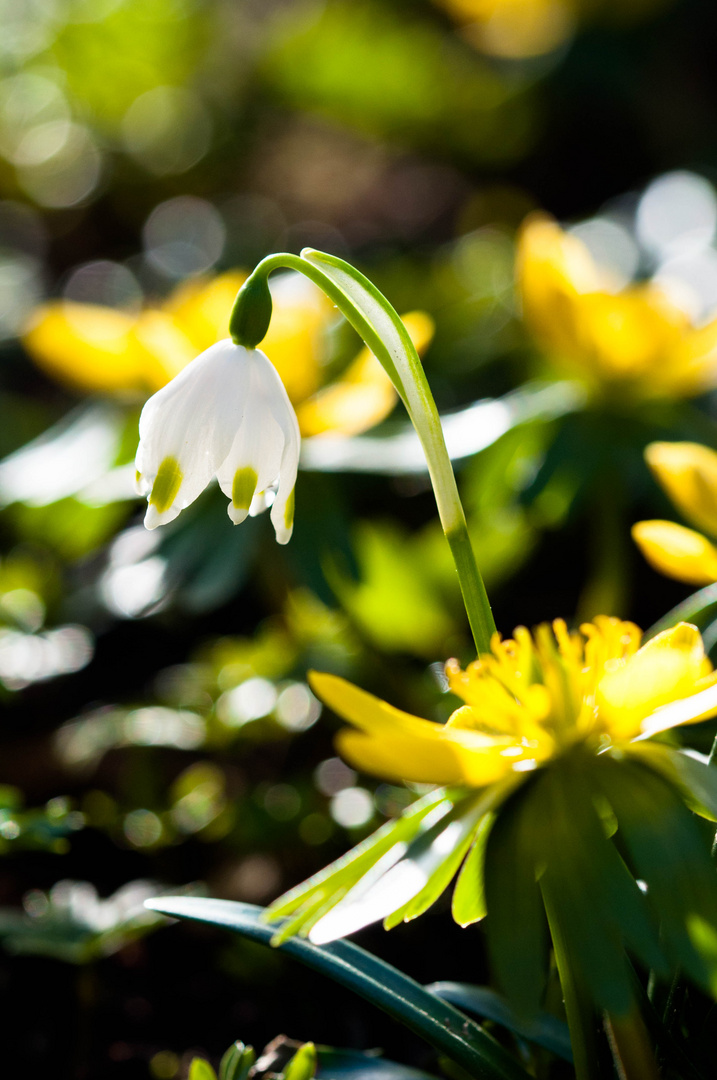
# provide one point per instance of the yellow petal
(553, 268)
(666, 669)
(296, 341)
(421, 761)
(688, 473)
(201, 308)
(695, 361)
(396, 745)
(367, 712)
(162, 347)
(635, 337)
(676, 551)
(364, 395)
(87, 347)
(630, 336)
(690, 710)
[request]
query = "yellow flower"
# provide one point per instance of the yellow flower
(633, 342)
(514, 28)
(530, 699)
(95, 349)
(546, 759)
(688, 473)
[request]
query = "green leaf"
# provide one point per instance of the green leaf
(597, 904)
(667, 852)
(437, 854)
(686, 770)
(695, 609)
(517, 944)
(309, 901)
(393, 604)
(467, 431)
(303, 1064)
(438, 1023)
(430, 859)
(544, 1030)
(201, 1070)
(469, 894)
(237, 1062)
(353, 1065)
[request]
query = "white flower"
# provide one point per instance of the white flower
(226, 414)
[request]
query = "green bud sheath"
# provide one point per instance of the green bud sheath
(251, 314)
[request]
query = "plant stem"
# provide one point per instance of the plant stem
(578, 1009)
(375, 320)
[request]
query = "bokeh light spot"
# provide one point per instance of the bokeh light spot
(352, 807)
(677, 214)
(184, 236)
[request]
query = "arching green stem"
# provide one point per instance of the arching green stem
(382, 330)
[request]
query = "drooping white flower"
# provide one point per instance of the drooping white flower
(226, 414)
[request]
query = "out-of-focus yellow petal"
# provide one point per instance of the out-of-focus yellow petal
(552, 268)
(364, 395)
(162, 346)
(201, 308)
(629, 336)
(676, 551)
(669, 666)
(635, 339)
(296, 341)
(688, 473)
(87, 347)
(515, 28)
(694, 365)
(688, 710)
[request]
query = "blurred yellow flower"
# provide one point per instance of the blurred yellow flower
(514, 28)
(688, 473)
(529, 700)
(633, 342)
(97, 349)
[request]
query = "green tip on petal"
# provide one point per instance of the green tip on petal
(289, 510)
(251, 314)
(166, 485)
(243, 487)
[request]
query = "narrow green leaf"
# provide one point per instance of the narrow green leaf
(544, 1030)
(430, 854)
(312, 898)
(237, 1062)
(469, 894)
(438, 864)
(440, 1024)
(303, 1064)
(201, 1070)
(695, 609)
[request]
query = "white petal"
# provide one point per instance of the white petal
(191, 423)
(265, 449)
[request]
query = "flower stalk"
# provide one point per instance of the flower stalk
(380, 327)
